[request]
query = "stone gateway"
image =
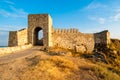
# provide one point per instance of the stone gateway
(64, 38)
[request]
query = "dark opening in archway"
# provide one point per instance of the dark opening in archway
(38, 36)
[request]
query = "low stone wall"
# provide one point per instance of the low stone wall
(9, 50)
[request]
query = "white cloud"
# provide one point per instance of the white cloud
(13, 12)
(16, 13)
(11, 27)
(116, 17)
(9, 2)
(101, 20)
(20, 11)
(94, 4)
(3, 33)
(118, 10)
(4, 13)
(91, 18)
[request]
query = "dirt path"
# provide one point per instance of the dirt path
(21, 54)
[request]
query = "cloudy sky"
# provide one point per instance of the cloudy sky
(89, 16)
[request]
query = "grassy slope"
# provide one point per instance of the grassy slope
(108, 59)
(60, 64)
(47, 67)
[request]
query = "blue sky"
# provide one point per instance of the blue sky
(89, 16)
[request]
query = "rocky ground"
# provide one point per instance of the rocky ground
(43, 66)
(61, 64)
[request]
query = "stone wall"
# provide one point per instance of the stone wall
(40, 21)
(74, 40)
(18, 38)
(66, 31)
(50, 31)
(64, 38)
(102, 38)
(13, 40)
(22, 37)
(80, 42)
(9, 50)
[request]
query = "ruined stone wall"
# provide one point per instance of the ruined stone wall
(102, 38)
(81, 42)
(18, 38)
(74, 40)
(22, 37)
(13, 40)
(50, 31)
(9, 50)
(64, 38)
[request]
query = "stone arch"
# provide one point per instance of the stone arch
(36, 40)
(37, 22)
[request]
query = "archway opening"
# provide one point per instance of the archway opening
(38, 36)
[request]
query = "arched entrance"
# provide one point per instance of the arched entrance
(36, 23)
(38, 36)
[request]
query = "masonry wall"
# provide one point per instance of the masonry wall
(64, 38)
(43, 21)
(9, 50)
(74, 40)
(50, 31)
(102, 38)
(18, 38)
(80, 42)
(13, 40)
(22, 37)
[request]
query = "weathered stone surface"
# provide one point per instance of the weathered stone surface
(18, 38)
(81, 49)
(13, 40)
(22, 37)
(38, 22)
(64, 38)
(9, 50)
(75, 41)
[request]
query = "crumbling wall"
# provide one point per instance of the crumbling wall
(65, 38)
(18, 38)
(22, 37)
(13, 40)
(102, 38)
(74, 40)
(80, 42)
(9, 50)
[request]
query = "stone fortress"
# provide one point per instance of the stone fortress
(64, 38)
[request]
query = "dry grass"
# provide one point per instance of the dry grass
(45, 66)
(52, 68)
(57, 67)
(104, 74)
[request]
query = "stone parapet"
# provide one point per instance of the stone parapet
(9, 50)
(72, 30)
